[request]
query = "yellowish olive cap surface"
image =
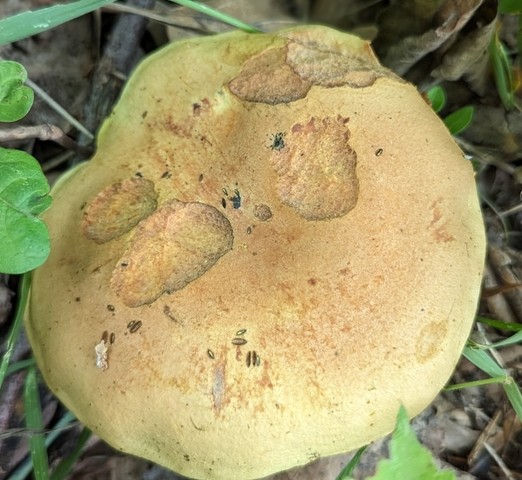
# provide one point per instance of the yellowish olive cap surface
(275, 245)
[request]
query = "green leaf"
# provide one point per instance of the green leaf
(23, 196)
(459, 120)
(30, 23)
(409, 460)
(502, 70)
(510, 6)
(15, 98)
(437, 98)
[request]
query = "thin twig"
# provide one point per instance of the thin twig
(59, 109)
(499, 461)
(43, 132)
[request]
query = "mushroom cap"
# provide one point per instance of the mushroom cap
(275, 245)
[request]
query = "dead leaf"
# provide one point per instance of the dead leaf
(412, 30)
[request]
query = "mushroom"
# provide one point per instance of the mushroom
(275, 245)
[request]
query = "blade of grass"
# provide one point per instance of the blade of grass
(21, 365)
(24, 470)
(502, 70)
(23, 293)
(30, 23)
(345, 473)
(475, 383)
(516, 338)
(515, 396)
(483, 360)
(33, 420)
(513, 327)
(65, 466)
(216, 14)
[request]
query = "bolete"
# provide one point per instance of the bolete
(275, 245)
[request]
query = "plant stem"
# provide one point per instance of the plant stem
(23, 294)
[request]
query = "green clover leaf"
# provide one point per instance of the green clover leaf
(409, 460)
(24, 194)
(15, 98)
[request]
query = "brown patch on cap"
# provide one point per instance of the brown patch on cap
(262, 212)
(118, 208)
(330, 69)
(429, 340)
(285, 74)
(316, 169)
(323, 60)
(219, 387)
(267, 78)
(173, 247)
(439, 225)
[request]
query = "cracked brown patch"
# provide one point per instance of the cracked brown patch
(320, 58)
(267, 78)
(331, 69)
(316, 169)
(285, 74)
(118, 208)
(174, 246)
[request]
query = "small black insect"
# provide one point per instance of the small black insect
(238, 341)
(105, 336)
(223, 203)
(278, 141)
(112, 337)
(111, 308)
(210, 353)
(378, 152)
(241, 332)
(236, 199)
